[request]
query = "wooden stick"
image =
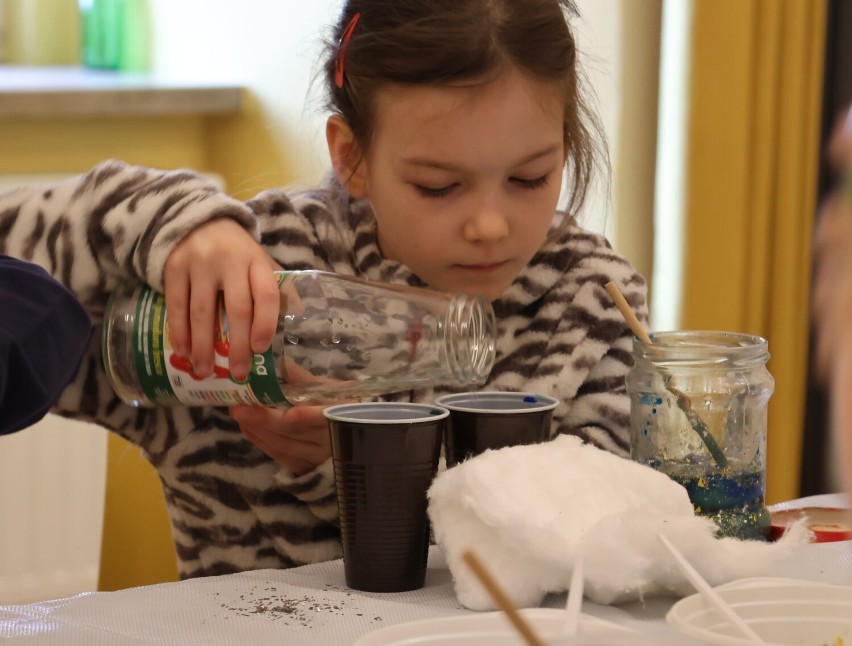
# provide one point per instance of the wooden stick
(709, 594)
(501, 599)
(627, 312)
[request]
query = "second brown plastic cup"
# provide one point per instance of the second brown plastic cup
(494, 420)
(385, 457)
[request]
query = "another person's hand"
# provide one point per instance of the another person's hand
(832, 299)
(221, 257)
(840, 145)
(296, 438)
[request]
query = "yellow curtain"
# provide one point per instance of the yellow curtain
(752, 157)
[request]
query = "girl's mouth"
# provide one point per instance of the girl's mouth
(482, 269)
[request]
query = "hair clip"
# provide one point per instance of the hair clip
(341, 49)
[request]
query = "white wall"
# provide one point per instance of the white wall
(272, 48)
(598, 33)
(671, 166)
(619, 42)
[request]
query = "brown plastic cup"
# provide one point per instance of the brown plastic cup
(385, 457)
(494, 420)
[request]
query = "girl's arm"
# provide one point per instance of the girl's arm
(595, 403)
(116, 222)
(298, 440)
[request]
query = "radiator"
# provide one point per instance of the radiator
(52, 479)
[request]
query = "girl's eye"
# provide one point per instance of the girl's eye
(536, 182)
(428, 191)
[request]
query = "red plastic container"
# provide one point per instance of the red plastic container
(827, 524)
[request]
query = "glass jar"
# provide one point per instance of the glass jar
(338, 338)
(698, 411)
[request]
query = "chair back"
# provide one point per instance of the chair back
(136, 544)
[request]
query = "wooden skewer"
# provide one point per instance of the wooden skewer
(709, 594)
(627, 312)
(501, 599)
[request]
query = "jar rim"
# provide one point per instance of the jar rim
(708, 346)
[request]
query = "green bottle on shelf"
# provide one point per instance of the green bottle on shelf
(136, 37)
(115, 34)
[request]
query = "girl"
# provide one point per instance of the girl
(452, 124)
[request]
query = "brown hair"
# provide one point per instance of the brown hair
(451, 42)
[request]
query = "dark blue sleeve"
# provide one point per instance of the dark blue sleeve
(43, 333)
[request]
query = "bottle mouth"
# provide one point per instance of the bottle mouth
(472, 338)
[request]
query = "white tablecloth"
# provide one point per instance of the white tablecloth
(311, 605)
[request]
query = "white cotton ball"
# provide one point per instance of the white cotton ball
(624, 558)
(528, 511)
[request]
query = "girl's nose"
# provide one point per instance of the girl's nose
(488, 224)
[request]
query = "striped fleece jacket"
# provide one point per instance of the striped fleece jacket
(231, 507)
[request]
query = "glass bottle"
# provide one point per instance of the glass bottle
(136, 36)
(101, 33)
(722, 377)
(338, 338)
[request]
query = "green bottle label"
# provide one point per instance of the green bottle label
(167, 378)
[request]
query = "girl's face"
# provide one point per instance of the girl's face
(465, 181)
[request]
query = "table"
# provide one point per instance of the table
(311, 606)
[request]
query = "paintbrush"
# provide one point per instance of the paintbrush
(683, 401)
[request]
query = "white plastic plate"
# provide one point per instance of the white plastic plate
(495, 629)
(781, 611)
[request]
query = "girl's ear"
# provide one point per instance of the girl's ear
(345, 156)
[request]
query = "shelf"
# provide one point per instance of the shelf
(59, 92)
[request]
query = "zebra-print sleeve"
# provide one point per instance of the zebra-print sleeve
(114, 222)
(595, 404)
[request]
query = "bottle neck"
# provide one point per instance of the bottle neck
(471, 338)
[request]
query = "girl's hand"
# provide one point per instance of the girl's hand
(296, 438)
(220, 257)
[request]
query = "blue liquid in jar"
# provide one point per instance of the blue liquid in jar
(733, 498)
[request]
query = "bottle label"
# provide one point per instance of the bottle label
(167, 378)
